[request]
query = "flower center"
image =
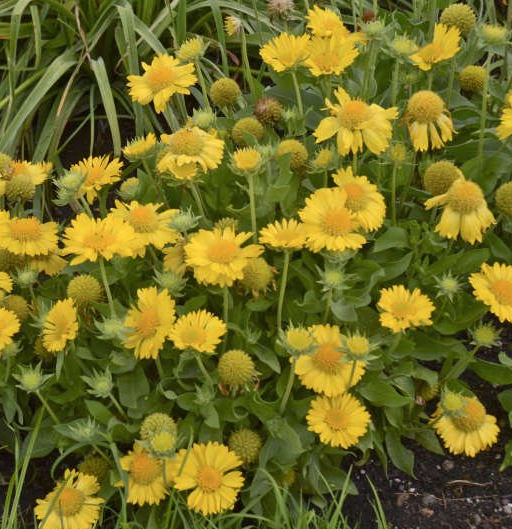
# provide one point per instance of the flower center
(144, 469)
(186, 142)
(431, 53)
(147, 322)
(159, 77)
(336, 419)
(209, 479)
(62, 324)
(353, 114)
(465, 197)
(502, 289)
(93, 175)
(299, 340)
(245, 161)
(98, 241)
(337, 221)
(192, 335)
(70, 501)
(358, 345)
(143, 219)
(471, 418)
(425, 106)
(356, 199)
(223, 251)
(25, 230)
(327, 357)
(402, 309)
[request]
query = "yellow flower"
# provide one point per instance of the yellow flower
(146, 483)
(330, 56)
(355, 124)
(5, 282)
(444, 46)
(199, 330)
(90, 239)
(326, 370)
(363, 199)
(232, 25)
(60, 326)
(191, 146)
(174, 258)
(98, 172)
(493, 286)
(339, 421)
(428, 113)
(140, 147)
(326, 23)
(191, 49)
(184, 173)
(285, 51)
(162, 79)
(51, 264)
(328, 223)
(151, 226)
(286, 234)
(208, 469)
(402, 309)
(72, 504)
(504, 129)
(9, 326)
(149, 323)
(27, 236)
(217, 256)
(323, 159)
(403, 46)
(36, 172)
(465, 427)
(246, 160)
(465, 211)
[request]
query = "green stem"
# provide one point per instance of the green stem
(483, 118)
(198, 201)
(297, 94)
(430, 79)
(103, 272)
(327, 306)
(450, 82)
(202, 368)
(47, 407)
(254, 225)
(352, 373)
(202, 83)
(225, 305)
(247, 67)
(394, 83)
(282, 288)
(393, 193)
(433, 17)
(288, 390)
(117, 406)
(394, 344)
(461, 365)
(354, 163)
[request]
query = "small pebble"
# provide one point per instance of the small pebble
(508, 508)
(448, 465)
(428, 499)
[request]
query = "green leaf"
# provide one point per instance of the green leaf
(132, 386)
(402, 457)
(98, 411)
(381, 393)
(393, 237)
(494, 373)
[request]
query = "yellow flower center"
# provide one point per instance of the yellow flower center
(193, 335)
(353, 114)
(98, 241)
(223, 251)
(209, 479)
(337, 221)
(70, 501)
(299, 339)
(93, 174)
(147, 322)
(336, 419)
(163, 441)
(402, 309)
(327, 357)
(159, 77)
(247, 160)
(431, 53)
(465, 197)
(143, 219)
(502, 289)
(144, 469)
(356, 199)
(25, 230)
(358, 345)
(425, 106)
(471, 418)
(186, 142)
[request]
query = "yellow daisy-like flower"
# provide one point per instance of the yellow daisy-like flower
(36, 172)
(174, 258)
(402, 309)
(185, 173)
(163, 78)
(493, 286)
(140, 147)
(72, 504)
(363, 199)
(60, 326)
(191, 146)
(149, 323)
(146, 483)
(217, 256)
(208, 469)
(27, 236)
(464, 425)
(325, 370)
(285, 51)
(191, 49)
(51, 264)
(246, 160)
(89, 239)
(326, 23)
(504, 129)
(98, 172)
(328, 223)
(9, 326)
(151, 226)
(339, 421)
(286, 234)
(444, 46)
(428, 114)
(5, 282)
(465, 211)
(199, 330)
(330, 56)
(356, 124)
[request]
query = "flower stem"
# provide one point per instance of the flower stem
(483, 117)
(117, 406)
(282, 288)
(289, 386)
(198, 200)
(47, 407)
(450, 82)
(393, 193)
(461, 365)
(327, 310)
(202, 83)
(254, 226)
(354, 163)
(394, 344)
(394, 83)
(247, 67)
(297, 95)
(103, 272)
(225, 312)
(202, 368)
